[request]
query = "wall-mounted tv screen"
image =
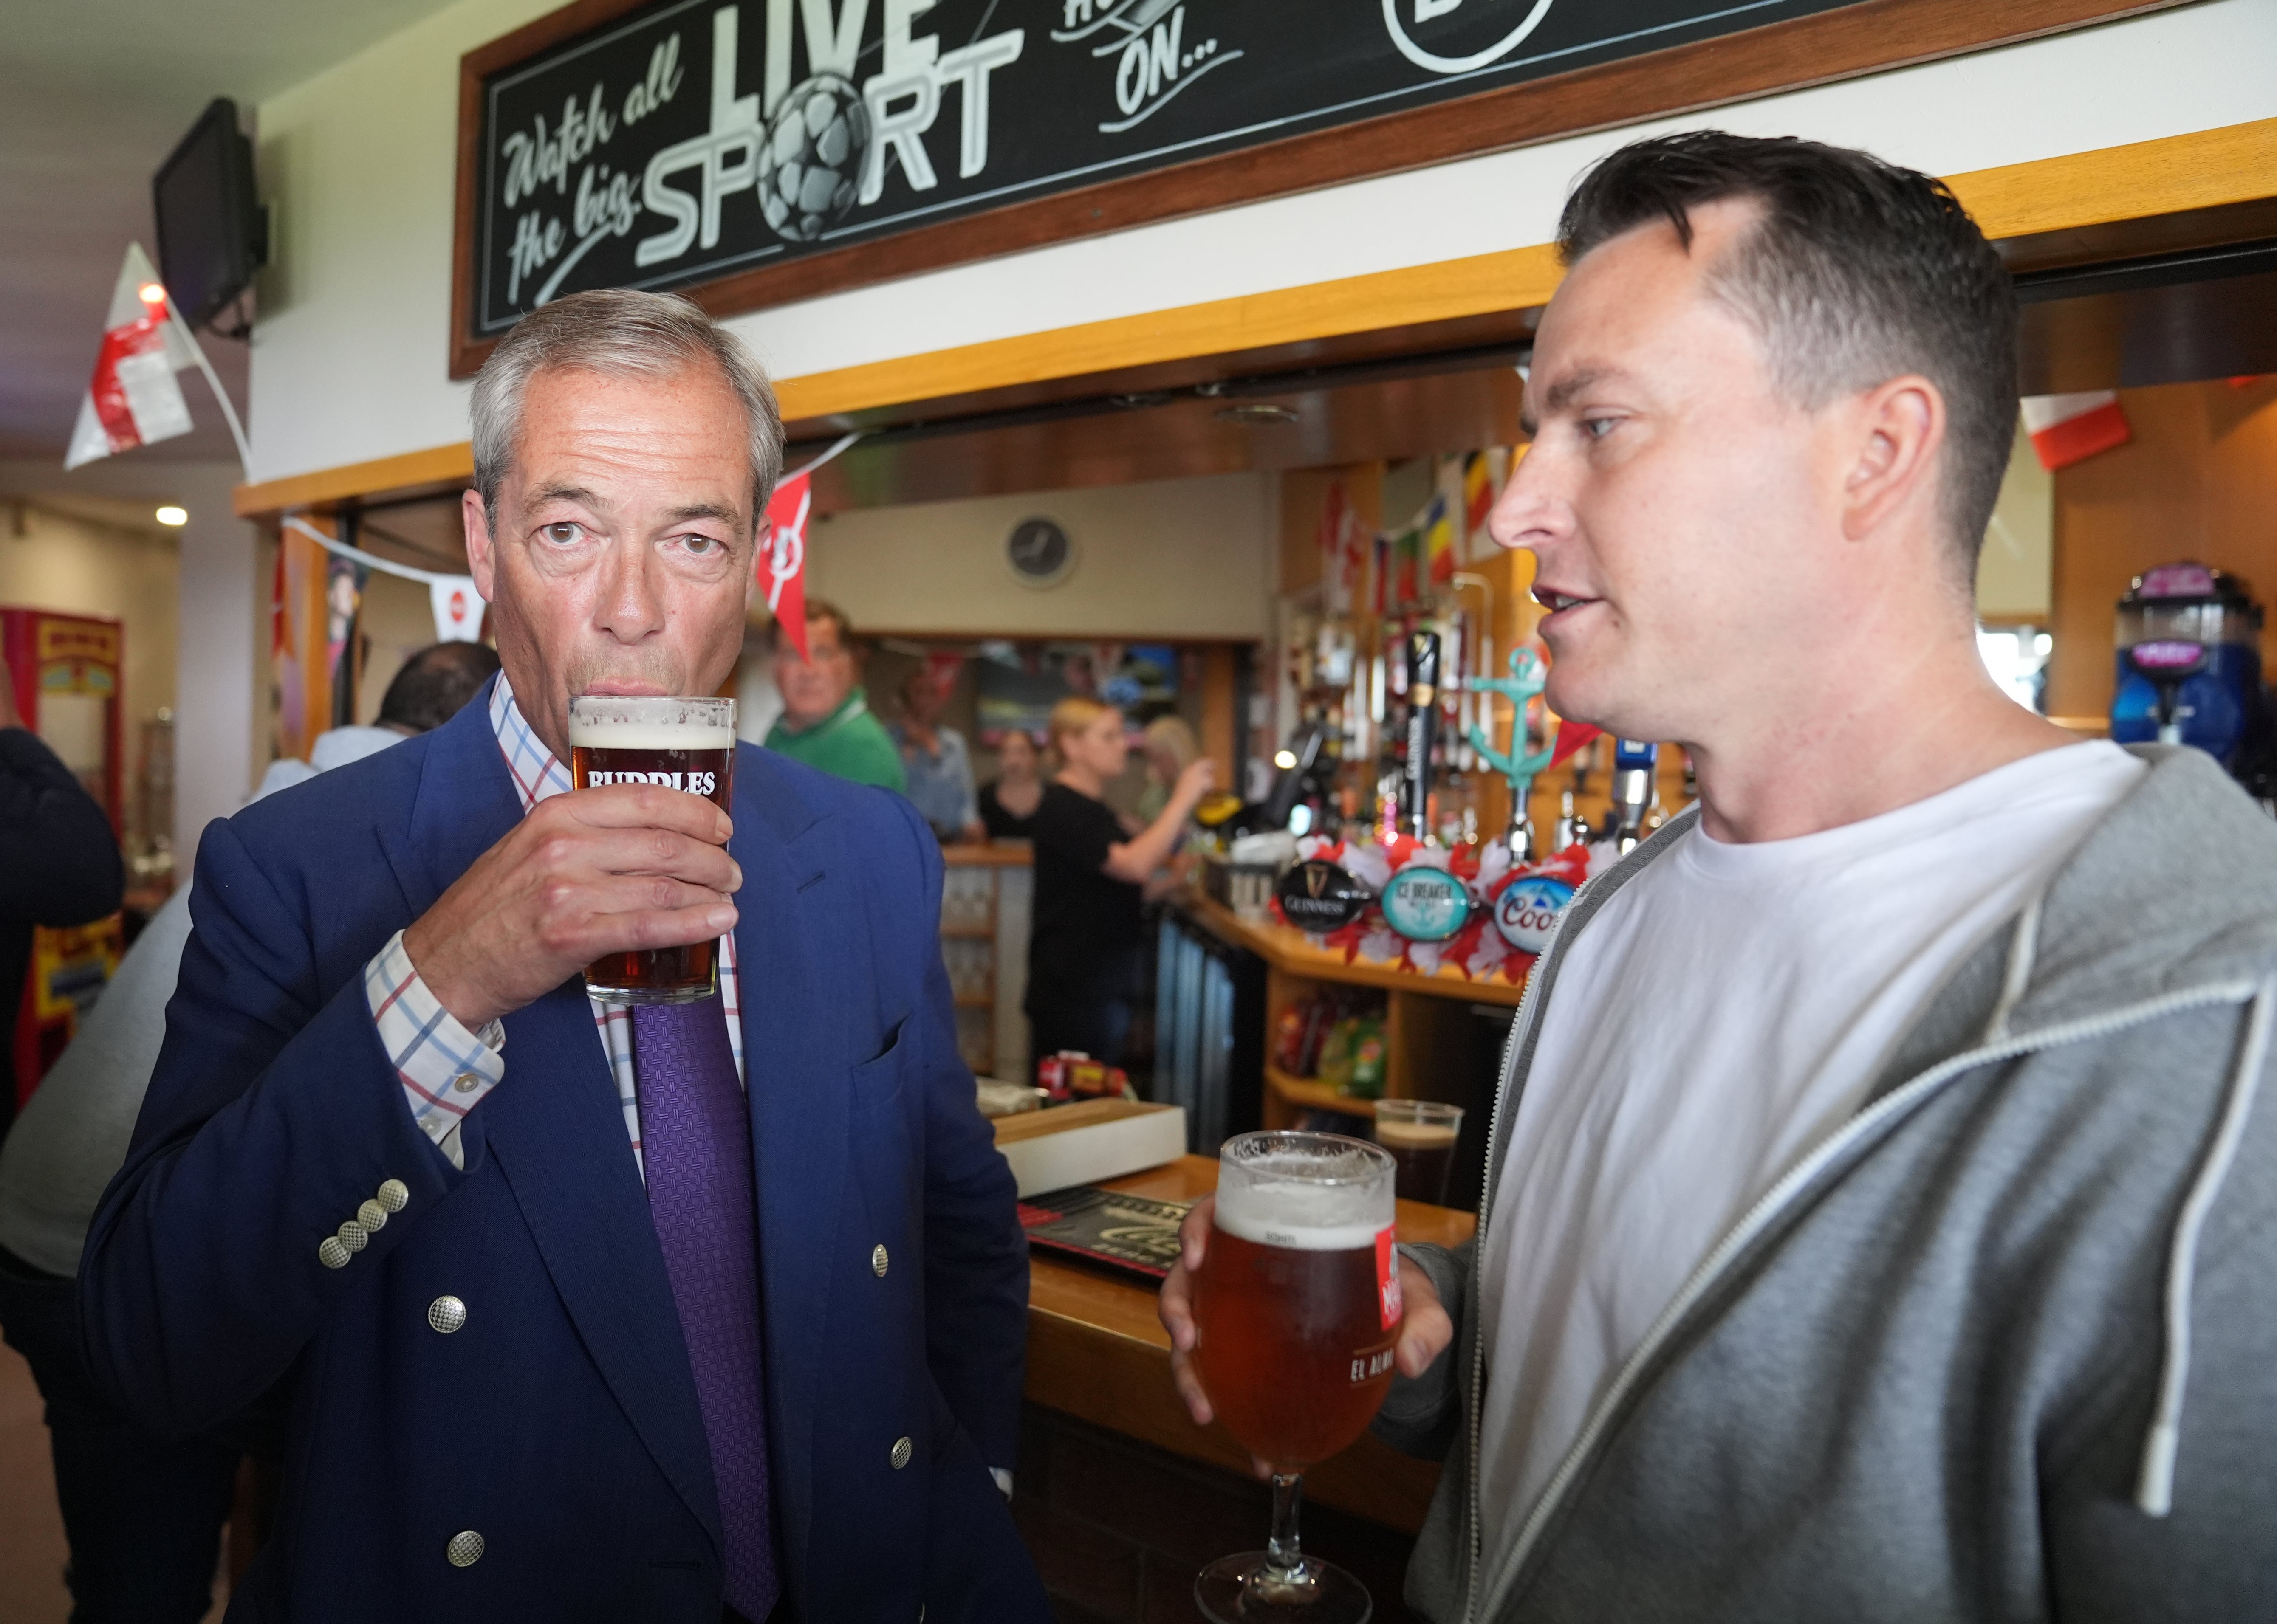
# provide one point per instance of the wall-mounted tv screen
(213, 234)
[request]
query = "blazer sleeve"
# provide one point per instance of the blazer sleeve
(273, 1116)
(976, 1255)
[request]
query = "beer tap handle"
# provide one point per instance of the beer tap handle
(1518, 765)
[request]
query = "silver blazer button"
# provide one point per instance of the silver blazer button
(878, 1260)
(447, 1314)
(902, 1449)
(465, 1549)
(394, 1194)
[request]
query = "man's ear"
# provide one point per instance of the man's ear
(481, 560)
(1899, 430)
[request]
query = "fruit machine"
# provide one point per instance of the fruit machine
(66, 673)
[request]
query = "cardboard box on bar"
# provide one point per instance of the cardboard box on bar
(1090, 1141)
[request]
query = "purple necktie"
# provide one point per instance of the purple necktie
(696, 1142)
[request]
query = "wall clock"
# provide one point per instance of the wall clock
(1040, 552)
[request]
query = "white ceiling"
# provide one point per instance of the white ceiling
(94, 95)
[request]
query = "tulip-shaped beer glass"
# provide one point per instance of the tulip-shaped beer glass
(1296, 1308)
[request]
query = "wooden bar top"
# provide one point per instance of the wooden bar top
(1288, 950)
(1097, 1351)
(996, 854)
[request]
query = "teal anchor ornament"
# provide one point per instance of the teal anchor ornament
(1518, 767)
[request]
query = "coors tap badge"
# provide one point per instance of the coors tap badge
(687, 745)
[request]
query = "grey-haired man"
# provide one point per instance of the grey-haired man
(689, 1312)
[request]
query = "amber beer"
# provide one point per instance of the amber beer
(684, 743)
(1296, 1308)
(1295, 1300)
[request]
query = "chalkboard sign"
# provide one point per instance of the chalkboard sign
(683, 144)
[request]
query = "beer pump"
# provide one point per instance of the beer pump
(1637, 762)
(1519, 765)
(2189, 672)
(1423, 731)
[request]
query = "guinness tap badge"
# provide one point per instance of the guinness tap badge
(1320, 897)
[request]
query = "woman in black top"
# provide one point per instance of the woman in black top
(1083, 951)
(1007, 807)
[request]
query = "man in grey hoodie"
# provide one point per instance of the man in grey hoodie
(1879, 1222)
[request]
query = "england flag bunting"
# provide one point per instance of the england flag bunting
(133, 399)
(780, 566)
(2068, 429)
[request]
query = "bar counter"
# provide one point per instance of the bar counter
(1098, 1352)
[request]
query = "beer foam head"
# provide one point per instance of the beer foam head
(608, 722)
(1415, 1135)
(1309, 1192)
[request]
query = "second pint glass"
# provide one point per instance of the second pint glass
(684, 743)
(1422, 1136)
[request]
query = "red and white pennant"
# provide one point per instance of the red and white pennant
(133, 399)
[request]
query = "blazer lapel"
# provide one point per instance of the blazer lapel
(556, 1128)
(559, 1135)
(465, 806)
(794, 1067)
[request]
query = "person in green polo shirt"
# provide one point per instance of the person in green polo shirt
(826, 719)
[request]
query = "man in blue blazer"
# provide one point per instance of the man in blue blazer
(692, 1315)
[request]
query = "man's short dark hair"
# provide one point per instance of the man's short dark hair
(817, 609)
(436, 683)
(1857, 273)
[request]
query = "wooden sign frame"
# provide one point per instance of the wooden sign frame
(1867, 37)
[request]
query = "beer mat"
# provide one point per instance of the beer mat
(1131, 1233)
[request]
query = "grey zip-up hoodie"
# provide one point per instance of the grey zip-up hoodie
(2004, 1346)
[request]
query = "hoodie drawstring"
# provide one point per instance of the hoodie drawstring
(2023, 950)
(2154, 1484)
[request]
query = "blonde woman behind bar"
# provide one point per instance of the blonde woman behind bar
(1083, 951)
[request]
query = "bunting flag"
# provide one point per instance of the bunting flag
(1343, 550)
(1478, 498)
(133, 399)
(1570, 737)
(943, 668)
(2068, 429)
(779, 567)
(1405, 583)
(458, 609)
(1439, 541)
(280, 636)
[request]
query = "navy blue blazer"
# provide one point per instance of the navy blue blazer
(561, 1424)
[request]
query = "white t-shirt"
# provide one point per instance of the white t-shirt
(1720, 1016)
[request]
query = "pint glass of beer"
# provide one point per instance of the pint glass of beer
(684, 743)
(1420, 1133)
(1296, 1310)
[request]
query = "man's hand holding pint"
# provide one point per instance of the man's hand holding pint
(595, 871)
(1425, 1331)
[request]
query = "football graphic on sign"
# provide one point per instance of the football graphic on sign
(811, 166)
